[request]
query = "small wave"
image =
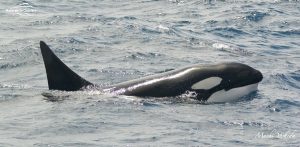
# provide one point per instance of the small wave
(243, 123)
(150, 30)
(220, 46)
(64, 144)
(6, 144)
(181, 23)
(98, 96)
(57, 19)
(14, 86)
(255, 16)
(23, 9)
(120, 71)
(290, 79)
(287, 33)
(131, 27)
(160, 29)
(141, 56)
(86, 18)
(280, 104)
(129, 17)
(62, 19)
(184, 22)
(57, 96)
(93, 29)
(176, 1)
(11, 65)
(280, 47)
(72, 40)
(227, 32)
(231, 49)
(7, 97)
(296, 75)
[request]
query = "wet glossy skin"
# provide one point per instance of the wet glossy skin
(172, 83)
(177, 82)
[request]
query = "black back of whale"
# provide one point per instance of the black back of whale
(172, 83)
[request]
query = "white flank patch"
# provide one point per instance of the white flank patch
(223, 96)
(207, 83)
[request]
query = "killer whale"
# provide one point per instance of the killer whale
(210, 83)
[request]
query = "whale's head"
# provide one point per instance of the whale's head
(235, 75)
(228, 82)
(237, 80)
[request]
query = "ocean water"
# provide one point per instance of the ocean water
(114, 41)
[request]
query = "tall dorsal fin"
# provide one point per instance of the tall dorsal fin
(60, 76)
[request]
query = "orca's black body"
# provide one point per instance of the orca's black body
(205, 81)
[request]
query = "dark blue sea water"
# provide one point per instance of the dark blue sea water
(114, 41)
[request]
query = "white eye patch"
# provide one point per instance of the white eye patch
(207, 83)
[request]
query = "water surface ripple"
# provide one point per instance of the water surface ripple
(113, 41)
